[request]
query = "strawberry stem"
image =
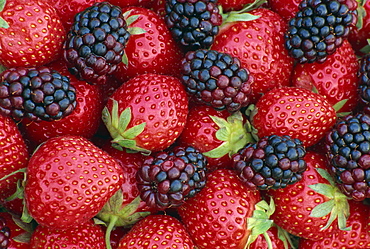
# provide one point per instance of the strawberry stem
(112, 222)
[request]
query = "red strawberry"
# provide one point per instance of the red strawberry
(127, 3)
(216, 134)
(217, 216)
(314, 205)
(82, 236)
(69, 180)
(31, 33)
(157, 231)
(286, 9)
(259, 44)
(358, 237)
(83, 121)
(147, 113)
(13, 157)
(293, 111)
(67, 9)
(19, 232)
(336, 78)
(154, 51)
(230, 5)
(359, 35)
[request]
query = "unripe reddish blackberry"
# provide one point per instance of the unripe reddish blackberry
(36, 93)
(96, 41)
(364, 82)
(348, 153)
(4, 234)
(168, 178)
(319, 28)
(273, 162)
(193, 23)
(216, 79)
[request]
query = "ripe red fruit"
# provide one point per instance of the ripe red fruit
(157, 231)
(293, 111)
(217, 216)
(18, 231)
(147, 113)
(32, 34)
(286, 9)
(82, 236)
(69, 180)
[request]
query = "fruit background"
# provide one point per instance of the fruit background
(192, 124)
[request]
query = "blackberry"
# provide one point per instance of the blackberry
(348, 151)
(318, 28)
(96, 41)
(37, 93)
(4, 234)
(364, 82)
(193, 23)
(168, 178)
(216, 79)
(273, 162)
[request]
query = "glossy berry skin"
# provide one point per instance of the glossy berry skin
(296, 112)
(82, 236)
(35, 35)
(159, 101)
(157, 231)
(357, 237)
(286, 9)
(348, 153)
(217, 216)
(336, 78)
(155, 51)
(358, 36)
(364, 82)
(259, 46)
(13, 156)
(69, 172)
(230, 5)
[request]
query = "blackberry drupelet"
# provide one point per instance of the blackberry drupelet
(4, 234)
(193, 23)
(273, 162)
(348, 152)
(36, 93)
(168, 178)
(216, 79)
(364, 82)
(96, 41)
(318, 28)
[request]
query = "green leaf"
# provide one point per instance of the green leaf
(325, 174)
(2, 5)
(124, 119)
(222, 134)
(219, 151)
(136, 31)
(339, 105)
(3, 24)
(324, 189)
(131, 19)
(134, 131)
(125, 59)
(241, 17)
(323, 209)
(220, 122)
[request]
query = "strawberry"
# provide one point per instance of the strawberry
(359, 35)
(259, 45)
(217, 216)
(157, 231)
(336, 78)
(293, 111)
(13, 157)
(127, 3)
(147, 113)
(216, 134)
(286, 9)
(68, 9)
(19, 231)
(68, 182)
(358, 237)
(232, 5)
(314, 205)
(154, 51)
(31, 33)
(84, 119)
(82, 236)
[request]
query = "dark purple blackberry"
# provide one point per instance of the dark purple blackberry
(96, 41)
(168, 178)
(4, 234)
(364, 82)
(36, 93)
(318, 28)
(216, 79)
(273, 162)
(348, 152)
(193, 23)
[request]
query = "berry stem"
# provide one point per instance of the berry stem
(111, 225)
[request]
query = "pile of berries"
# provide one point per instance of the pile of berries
(185, 124)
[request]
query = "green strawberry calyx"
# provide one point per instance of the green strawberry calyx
(240, 15)
(117, 124)
(337, 206)
(3, 23)
(260, 223)
(117, 214)
(234, 133)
